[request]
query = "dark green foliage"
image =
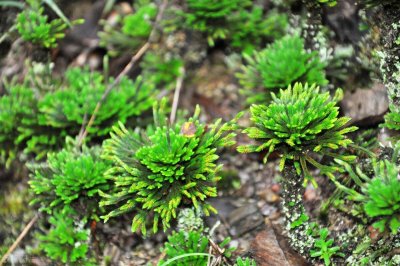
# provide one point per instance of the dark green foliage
(37, 122)
(70, 177)
(161, 70)
(323, 247)
(191, 243)
(213, 17)
(17, 107)
(66, 241)
(372, 3)
(158, 171)
(67, 108)
(379, 195)
(279, 65)
(299, 122)
(130, 31)
(245, 262)
(367, 139)
(253, 27)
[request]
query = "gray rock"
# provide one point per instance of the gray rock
(366, 106)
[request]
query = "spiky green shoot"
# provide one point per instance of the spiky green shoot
(379, 195)
(298, 123)
(71, 177)
(167, 167)
(277, 66)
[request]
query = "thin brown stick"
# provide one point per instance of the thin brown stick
(19, 239)
(179, 83)
(125, 71)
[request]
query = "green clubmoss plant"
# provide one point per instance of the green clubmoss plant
(299, 124)
(214, 18)
(323, 248)
(67, 107)
(392, 118)
(379, 195)
(163, 169)
(18, 106)
(191, 245)
(37, 121)
(129, 31)
(66, 241)
(160, 69)
(255, 27)
(70, 178)
(245, 262)
(34, 26)
(189, 248)
(279, 65)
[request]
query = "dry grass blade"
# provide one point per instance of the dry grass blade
(19, 239)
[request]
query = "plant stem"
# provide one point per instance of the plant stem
(293, 208)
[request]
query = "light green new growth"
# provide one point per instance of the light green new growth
(168, 166)
(299, 122)
(190, 219)
(35, 27)
(323, 247)
(328, 2)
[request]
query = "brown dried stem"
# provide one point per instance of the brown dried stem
(19, 239)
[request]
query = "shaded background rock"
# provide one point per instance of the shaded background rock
(366, 107)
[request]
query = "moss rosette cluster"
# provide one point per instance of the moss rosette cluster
(281, 64)
(299, 122)
(70, 178)
(157, 171)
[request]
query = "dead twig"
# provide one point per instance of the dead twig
(179, 83)
(19, 239)
(125, 71)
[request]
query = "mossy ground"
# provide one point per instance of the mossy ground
(249, 199)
